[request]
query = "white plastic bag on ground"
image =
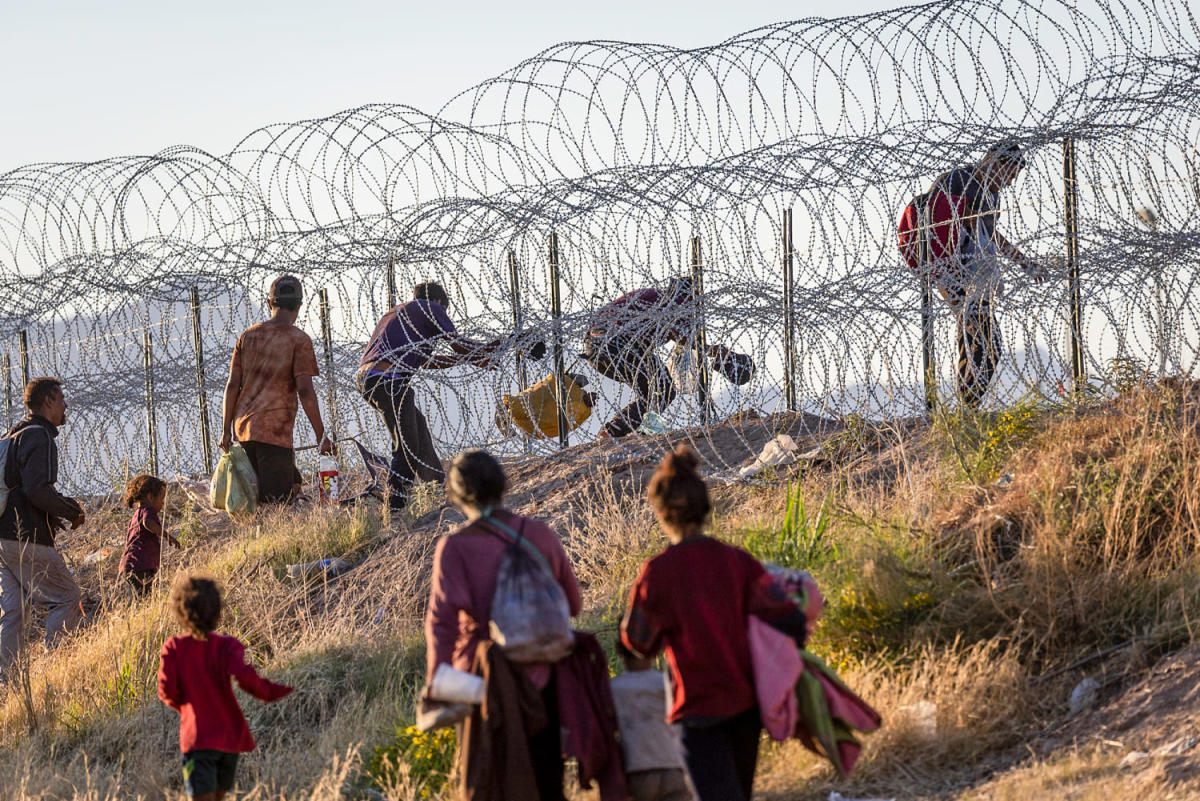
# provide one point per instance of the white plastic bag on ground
(781, 450)
(923, 715)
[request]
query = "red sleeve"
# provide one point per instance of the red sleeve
(642, 630)
(247, 677)
(946, 213)
(169, 689)
(448, 594)
(765, 599)
(769, 602)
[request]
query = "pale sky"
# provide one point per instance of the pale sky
(86, 80)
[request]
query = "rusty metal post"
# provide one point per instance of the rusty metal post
(699, 336)
(8, 393)
(514, 281)
(151, 423)
(789, 323)
(23, 344)
(391, 282)
(560, 379)
(1075, 300)
(327, 341)
(198, 342)
(928, 356)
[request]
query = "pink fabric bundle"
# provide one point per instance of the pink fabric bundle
(798, 696)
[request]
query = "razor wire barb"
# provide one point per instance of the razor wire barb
(626, 152)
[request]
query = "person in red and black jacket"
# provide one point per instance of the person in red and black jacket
(692, 601)
(964, 253)
(620, 343)
(194, 679)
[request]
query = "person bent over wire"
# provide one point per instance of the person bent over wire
(403, 344)
(621, 340)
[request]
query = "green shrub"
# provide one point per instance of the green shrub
(422, 761)
(801, 539)
(982, 442)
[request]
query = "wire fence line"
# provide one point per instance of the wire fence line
(644, 162)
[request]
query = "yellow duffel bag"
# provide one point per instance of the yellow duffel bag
(535, 411)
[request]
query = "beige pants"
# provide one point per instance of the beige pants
(34, 574)
(659, 785)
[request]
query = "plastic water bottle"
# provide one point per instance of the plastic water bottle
(327, 479)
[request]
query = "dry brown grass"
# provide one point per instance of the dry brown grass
(1095, 540)
(93, 720)
(944, 589)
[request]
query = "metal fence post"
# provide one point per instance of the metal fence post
(928, 357)
(327, 341)
(151, 423)
(560, 380)
(514, 281)
(391, 282)
(1071, 214)
(23, 344)
(789, 330)
(8, 393)
(700, 339)
(198, 341)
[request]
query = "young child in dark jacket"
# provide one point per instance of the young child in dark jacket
(146, 495)
(194, 679)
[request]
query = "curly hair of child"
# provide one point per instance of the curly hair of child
(196, 602)
(142, 489)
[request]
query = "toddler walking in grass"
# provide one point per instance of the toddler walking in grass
(146, 495)
(194, 679)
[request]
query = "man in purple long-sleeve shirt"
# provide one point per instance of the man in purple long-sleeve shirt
(403, 343)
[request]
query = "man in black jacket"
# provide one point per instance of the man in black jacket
(31, 569)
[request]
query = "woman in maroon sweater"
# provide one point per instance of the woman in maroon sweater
(465, 568)
(692, 601)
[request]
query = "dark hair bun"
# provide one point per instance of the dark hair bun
(677, 492)
(682, 462)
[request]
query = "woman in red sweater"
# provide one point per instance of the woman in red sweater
(465, 568)
(692, 601)
(194, 680)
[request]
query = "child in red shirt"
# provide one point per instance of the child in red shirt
(692, 601)
(147, 495)
(193, 679)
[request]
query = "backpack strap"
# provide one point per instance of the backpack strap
(11, 437)
(517, 539)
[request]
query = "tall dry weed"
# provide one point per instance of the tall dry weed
(1095, 539)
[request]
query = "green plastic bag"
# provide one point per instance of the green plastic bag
(218, 488)
(241, 498)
